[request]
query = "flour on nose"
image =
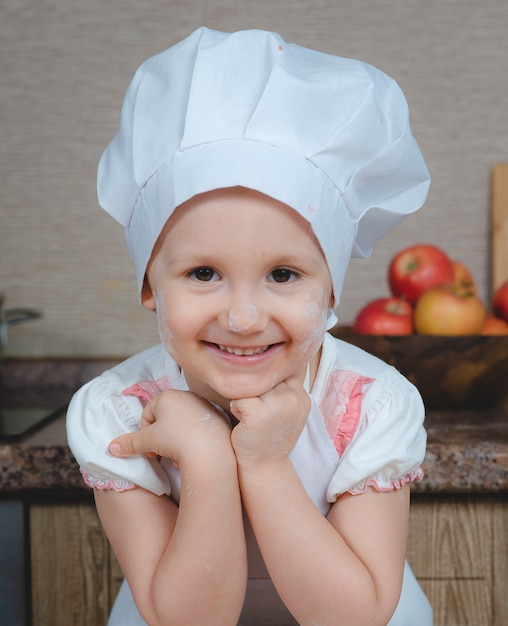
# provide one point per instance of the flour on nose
(242, 317)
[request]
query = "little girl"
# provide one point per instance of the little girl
(252, 469)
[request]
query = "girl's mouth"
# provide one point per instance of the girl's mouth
(243, 351)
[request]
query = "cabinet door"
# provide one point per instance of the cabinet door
(13, 578)
(451, 542)
(71, 566)
(500, 560)
(457, 548)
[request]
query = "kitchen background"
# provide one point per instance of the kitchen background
(64, 68)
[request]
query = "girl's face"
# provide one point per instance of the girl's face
(241, 290)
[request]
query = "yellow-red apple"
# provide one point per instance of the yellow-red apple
(447, 310)
(385, 316)
(500, 301)
(416, 269)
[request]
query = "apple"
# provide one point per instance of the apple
(385, 316)
(463, 277)
(418, 268)
(448, 310)
(494, 326)
(500, 301)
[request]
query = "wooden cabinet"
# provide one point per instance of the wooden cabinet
(458, 549)
(75, 576)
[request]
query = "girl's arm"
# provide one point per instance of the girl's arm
(343, 569)
(185, 565)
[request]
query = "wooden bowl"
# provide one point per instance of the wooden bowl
(466, 372)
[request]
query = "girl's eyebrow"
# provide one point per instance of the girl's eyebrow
(186, 255)
(296, 257)
(211, 258)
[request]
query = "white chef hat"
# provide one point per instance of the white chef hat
(326, 135)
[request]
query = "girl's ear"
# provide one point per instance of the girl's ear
(147, 297)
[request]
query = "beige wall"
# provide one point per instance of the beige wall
(64, 67)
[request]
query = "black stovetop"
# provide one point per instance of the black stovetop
(18, 422)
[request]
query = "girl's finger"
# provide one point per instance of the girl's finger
(147, 416)
(131, 444)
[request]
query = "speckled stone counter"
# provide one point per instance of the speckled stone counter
(467, 451)
(40, 463)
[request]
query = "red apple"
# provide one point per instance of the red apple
(385, 316)
(500, 301)
(448, 310)
(494, 326)
(418, 268)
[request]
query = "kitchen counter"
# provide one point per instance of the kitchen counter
(467, 452)
(72, 565)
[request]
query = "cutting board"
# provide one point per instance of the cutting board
(499, 224)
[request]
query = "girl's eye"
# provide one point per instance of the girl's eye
(204, 274)
(281, 275)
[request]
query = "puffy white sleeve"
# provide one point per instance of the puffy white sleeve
(388, 446)
(97, 414)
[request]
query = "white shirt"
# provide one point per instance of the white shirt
(365, 428)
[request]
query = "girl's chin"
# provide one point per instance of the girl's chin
(222, 389)
(237, 393)
(223, 394)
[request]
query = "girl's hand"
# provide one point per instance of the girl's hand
(269, 426)
(173, 425)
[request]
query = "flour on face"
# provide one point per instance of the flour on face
(242, 317)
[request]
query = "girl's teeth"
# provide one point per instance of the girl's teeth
(240, 352)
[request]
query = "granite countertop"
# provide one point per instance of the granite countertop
(467, 450)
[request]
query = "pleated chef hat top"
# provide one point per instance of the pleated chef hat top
(326, 135)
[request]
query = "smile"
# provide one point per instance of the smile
(243, 351)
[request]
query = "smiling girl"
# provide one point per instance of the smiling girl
(242, 292)
(252, 469)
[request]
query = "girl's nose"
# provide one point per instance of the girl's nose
(244, 317)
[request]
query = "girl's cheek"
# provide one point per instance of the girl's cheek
(314, 313)
(165, 334)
